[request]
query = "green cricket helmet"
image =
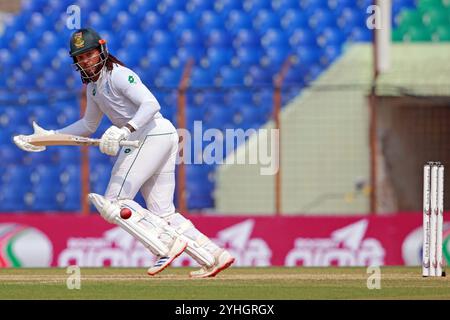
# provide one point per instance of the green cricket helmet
(84, 40)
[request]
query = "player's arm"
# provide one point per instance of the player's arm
(87, 125)
(130, 85)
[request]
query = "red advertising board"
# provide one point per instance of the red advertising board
(62, 239)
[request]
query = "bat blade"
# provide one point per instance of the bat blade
(63, 140)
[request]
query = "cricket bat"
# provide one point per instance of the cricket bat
(60, 139)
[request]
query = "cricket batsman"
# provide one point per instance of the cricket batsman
(117, 92)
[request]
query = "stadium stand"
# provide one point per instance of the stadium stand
(238, 46)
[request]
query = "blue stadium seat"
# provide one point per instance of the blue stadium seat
(12, 199)
(364, 4)
(238, 97)
(69, 198)
(252, 7)
(230, 76)
(246, 38)
(296, 73)
(22, 80)
(247, 116)
(97, 22)
(193, 6)
(51, 79)
(281, 7)
(181, 21)
(10, 116)
(21, 129)
(338, 6)
(307, 55)
(217, 57)
(32, 5)
(42, 173)
(290, 93)
(349, 19)
(199, 201)
(70, 175)
(361, 35)
(274, 57)
(142, 6)
(7, 60)
(217, 116)
(37, 23)
(266, 19)
(275, 38)
(168, 7)
(211, 20)
(201, 77)
(312, 5)
(68, 155)
(111, 8)
(263, 97)
(11, 154)
(313, 72)
(131, 57)
(247, 56)
(161, 38)
(257, 76)
(322, 19)
(44, 116)
(199, 194)
(168, 77)
(46, 157)
(302, 37)
(197, 172)
(152, 21)
(184, 54)
(17, 174)
(43, 198)
(190, 38)
(99, 172)
(330, 54)
(50, 41)
(67, 115)
(208, 97)
(238, 20)
(35, 98)
(217, 38)
(225, 6)
(131, 39)
(330, 37)
(156, 58)
(124, 21)
(294, 19)
(194, 113)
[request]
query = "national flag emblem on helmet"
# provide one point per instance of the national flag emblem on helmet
(78, 40)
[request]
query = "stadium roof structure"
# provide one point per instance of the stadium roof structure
(417, 69)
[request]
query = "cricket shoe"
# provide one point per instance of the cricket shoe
(223, 259)
(162, 262)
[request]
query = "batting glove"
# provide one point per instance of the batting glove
(109, 142)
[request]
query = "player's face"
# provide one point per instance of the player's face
(89, 61)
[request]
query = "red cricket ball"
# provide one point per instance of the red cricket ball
(125, 213)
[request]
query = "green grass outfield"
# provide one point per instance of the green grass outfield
(234, 283)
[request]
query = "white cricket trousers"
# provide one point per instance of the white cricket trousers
(150, 168)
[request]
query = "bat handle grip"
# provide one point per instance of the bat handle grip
(129, 143)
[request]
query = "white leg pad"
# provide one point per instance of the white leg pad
(139, 225)
(195, 247)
